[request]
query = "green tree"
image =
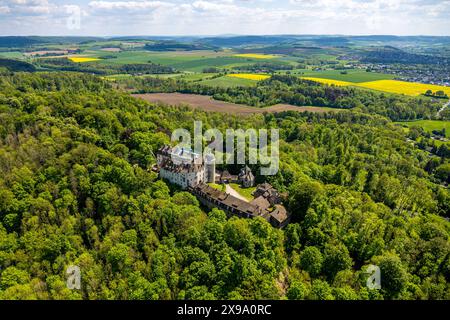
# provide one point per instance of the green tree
(311, 260)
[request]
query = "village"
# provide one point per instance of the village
(178, 166)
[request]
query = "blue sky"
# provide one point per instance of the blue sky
(213, 17)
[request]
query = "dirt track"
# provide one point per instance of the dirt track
(206, 103)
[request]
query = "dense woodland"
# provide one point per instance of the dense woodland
(390, 54)
(298, 92)
(76, 189)
(264, 67)
(16, 65)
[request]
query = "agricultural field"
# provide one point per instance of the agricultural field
(83, 59)
(250, 76)
(197, 65)
(137, 57)
(189, 61)
(354, 75)
(329, 81)
(122, 76)
(255, 56)
(12, 55)
(402, 87)
(228, 82)
(209, 79)
(391, 86)
(206, 103)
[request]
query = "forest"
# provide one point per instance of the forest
(15, 65)
(76, 189)
(390, 54)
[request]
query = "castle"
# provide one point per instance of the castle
(182, 167)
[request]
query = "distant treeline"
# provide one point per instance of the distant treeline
(176, 46)
(20, 42)
(265, 67)
(16, 65)
(393, 55)
(295, 91)
(64, 64)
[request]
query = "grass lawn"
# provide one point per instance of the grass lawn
(127, 57)
(185, 61)
(429, 125)
(184, 76)
(245, 192)
(11, 55)
(197, 65)
(228, 82)
(196, 76)
(220, 187)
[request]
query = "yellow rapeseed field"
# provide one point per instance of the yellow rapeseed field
(329, 81)
(391, 86)
(255, 56)
(250, 76)
(403, 87)
(82, 59)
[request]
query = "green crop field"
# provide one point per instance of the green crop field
(126, 76)
(186, 61)
(199, 64)
(227, 82)
(196, 76)
(430, 125)
(354, 75)
(128, 57)
(200, 77)
(172, 59)
(12, 55)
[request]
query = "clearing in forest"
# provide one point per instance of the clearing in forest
(207, 103)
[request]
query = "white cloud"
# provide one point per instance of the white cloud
(4, 9)
(29, 7)
(108, 17)
(128, 5)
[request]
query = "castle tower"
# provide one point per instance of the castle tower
(210, 168)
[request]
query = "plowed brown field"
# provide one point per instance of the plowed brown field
(207, 103)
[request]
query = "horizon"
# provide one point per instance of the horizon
(226, 35)
(216, 17)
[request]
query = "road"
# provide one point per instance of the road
(443, 108)
(234, 193)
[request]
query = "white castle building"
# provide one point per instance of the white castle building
(181, 166)
(178, 166)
